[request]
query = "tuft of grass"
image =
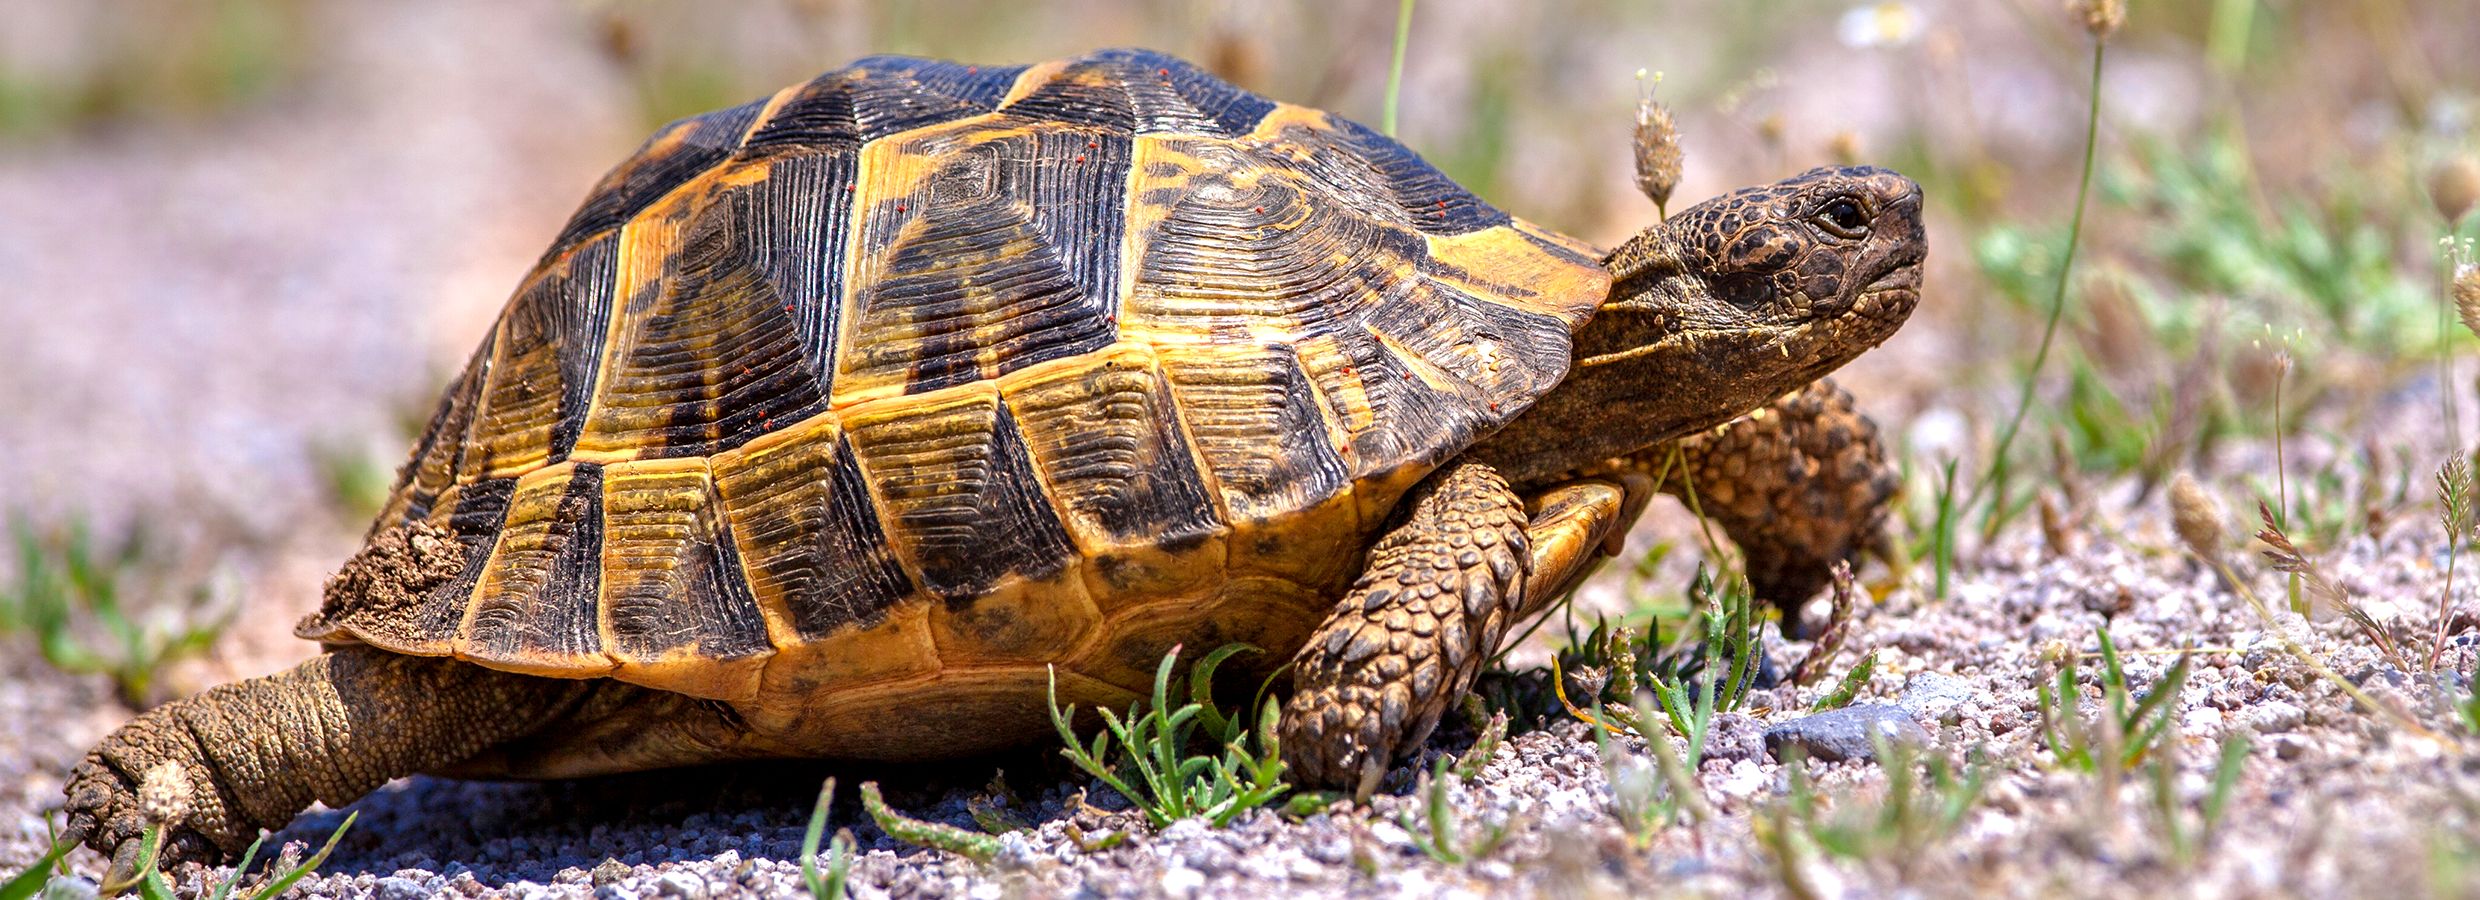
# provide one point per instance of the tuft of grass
(2454, 488)
(2286, 557)
(2186, 836)
(971, 845)
(149, 880)
(1444, 839)
(2128, 727)
(1913, 816)
(1169, 783)
(2204, 510)
(69, 596)
(828, 885)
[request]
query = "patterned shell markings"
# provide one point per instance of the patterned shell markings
(917, 331)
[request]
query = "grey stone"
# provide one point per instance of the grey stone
(683, 885)
(1844, 733)
(396, 887)
(1937, 696)
(611, 871)
(2276, 715)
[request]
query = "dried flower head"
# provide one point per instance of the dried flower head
(2454, 187)
(1658, 157)
(2100, 17)
(164, 793)
(1771, 130)
(2196, 516)
(1844, 148)
(2467, 295)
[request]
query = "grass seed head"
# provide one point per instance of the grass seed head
(1659, 159)
(2100, 17)
(2454, 187)
(163, 794)
(2196, 516)
(2467, 295)
(1844, 148)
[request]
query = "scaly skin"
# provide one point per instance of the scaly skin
(1799, 485)
(331, 729)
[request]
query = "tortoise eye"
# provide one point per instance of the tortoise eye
(1843, 217)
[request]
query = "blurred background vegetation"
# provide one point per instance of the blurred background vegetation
(247, 240)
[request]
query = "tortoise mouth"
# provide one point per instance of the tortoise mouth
(1887, 301)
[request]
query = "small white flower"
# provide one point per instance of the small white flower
(1889, 23)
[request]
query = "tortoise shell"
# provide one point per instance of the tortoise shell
(908, 381)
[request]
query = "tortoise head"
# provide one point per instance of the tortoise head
(1752, 294)
(1725, 306)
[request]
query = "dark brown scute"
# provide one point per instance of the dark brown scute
(820, 544)
(549, 346)
(1258, 425)
(793, 225)
(1144, 92)
(671, 576)
(542, 602)
(880, 96)
(432, 468)
(715, 357)
(679, 152)
(1114, 455)
(1009, 252)
(961, 497)
(1427, 198)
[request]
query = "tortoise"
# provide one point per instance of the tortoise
(835, 423)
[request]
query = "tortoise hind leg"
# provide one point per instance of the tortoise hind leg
(254, 753)
(1439, 592)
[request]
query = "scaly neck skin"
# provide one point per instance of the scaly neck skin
(1661, 358)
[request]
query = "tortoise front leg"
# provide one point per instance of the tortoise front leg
(1440, 591)
(1799, 484)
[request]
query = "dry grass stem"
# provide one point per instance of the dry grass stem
(2454, 516)
(1813, 664)
(2325, 596)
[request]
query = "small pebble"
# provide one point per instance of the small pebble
(1844, 733)
(1936, 696)
(2276, 715)
(399, 888)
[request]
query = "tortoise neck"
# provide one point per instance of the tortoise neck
(1648, 368)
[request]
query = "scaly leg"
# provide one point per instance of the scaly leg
(1440, 591)
(255, 753)
(1798, 484)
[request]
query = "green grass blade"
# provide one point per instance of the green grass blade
(282, 883)
(968, 844)
(1849, 688)
(809, 842)
(26, 884)
(1395, 70)
(247, 857)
